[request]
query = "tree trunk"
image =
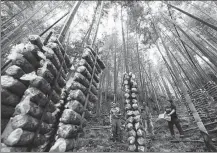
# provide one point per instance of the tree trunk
(98, 22)
(194, 17)
(124, 44)
(86, 39)
(115, 73)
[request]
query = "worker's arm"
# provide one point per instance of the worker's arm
(173, 111)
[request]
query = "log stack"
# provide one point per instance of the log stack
(200, 100)
(35, 117)
(25, 60)
(71, 118)
(211, 88)
(186, 104)
(134, 126)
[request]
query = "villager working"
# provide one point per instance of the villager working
(170, 110)
(115, 120)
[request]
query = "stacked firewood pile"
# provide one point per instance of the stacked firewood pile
(133, 123)
(211, 88)
(186, 104)
(71, 120)
(32, 90)
(200, 100)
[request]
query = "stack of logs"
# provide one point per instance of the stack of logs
(32, 90)
(71, 119)
(186, 104)
(134, 121)
(201, 102)
(211, 88)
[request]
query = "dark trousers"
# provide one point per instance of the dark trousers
(116, 129)
(178, 126)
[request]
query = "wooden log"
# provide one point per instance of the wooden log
(83, 70)
(75, 105)
(55, 97)
(19, 137)
(7, 111)
(8, 98)
(67, 131)
(128, 107)
(39, 140)
(129, 126)
(21, 62)
(29, 52)
(35, 96)
(49, 66)
(135, 101)
(99, 61)
(56, 49)
(141, 149)
(132, 133)
(135, 106)
(25, 122)
(127, 101)
(81, 79)
(141, 141)
(51, 107)
(134, 84)
(77, 95)
(57, 88)
(62, 145)
(46, 129)
(49, 118)
(127, 96)
(83, 62)
(70, 117)
(77, 85)
(134, 90)
(41, 84)
(36, 40)
(15, 71)
(137, 118)
(132, 148)
(93, 59)
(49, 53)
(13, 85)
(61, 81)
(138, 125)
(131, 140)
(140, 133)
(133, 95)
(5, 148)
(28, 107)
(87, 56)
(130, 119)
(45, 73)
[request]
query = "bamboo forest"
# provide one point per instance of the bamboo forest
(108, 76)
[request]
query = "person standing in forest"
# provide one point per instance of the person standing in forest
(170, 110)
(115, 120)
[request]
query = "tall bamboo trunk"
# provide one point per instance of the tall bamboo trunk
(124, 43)
(194, 17)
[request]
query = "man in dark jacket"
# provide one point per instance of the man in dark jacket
(170, 110)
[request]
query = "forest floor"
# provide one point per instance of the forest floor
(97, 139)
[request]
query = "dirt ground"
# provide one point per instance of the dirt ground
(99, 140)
